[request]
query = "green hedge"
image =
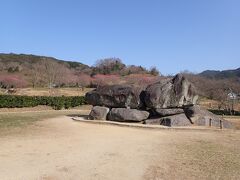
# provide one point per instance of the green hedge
(225, 112)
(9, 101)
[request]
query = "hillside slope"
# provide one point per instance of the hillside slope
(235, 73)
(21, 70)
(20, 62)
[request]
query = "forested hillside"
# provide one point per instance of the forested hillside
(235, 73)
(21, 70)
(215, 88)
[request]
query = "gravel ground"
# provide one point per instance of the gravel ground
(60, 148)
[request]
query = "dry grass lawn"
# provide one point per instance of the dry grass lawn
(36, 147)
(213, 104)
(235, 120)
(17, 120)
(52, 92)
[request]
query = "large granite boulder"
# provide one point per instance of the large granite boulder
(175, 120)
(202, 117)
(170, 93)
(116, 96)
(127, 115)
(98, 113)
(169, 112)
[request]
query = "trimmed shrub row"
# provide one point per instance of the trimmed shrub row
(225, 112)
(9, 101)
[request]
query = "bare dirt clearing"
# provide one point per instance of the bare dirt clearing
(60, 148)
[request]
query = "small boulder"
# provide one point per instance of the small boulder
(170, 93)
(115, 96)
(169, 112)
(175, 120)
(127, 115)
(98, 113)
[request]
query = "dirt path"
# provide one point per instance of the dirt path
(60, 148)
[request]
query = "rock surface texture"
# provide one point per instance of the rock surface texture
(170, 93)
(169, 112)
(203, 117)
(169, 102)
(127, 115)
(174, 120)
(115, 96)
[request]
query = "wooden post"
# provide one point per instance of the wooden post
(210, 122)
(221, 124)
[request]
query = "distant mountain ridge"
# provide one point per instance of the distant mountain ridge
(213, 74)
(17, 62)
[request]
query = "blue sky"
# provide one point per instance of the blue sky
(174, 35)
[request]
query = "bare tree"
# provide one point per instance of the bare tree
(84, 80)
(35, 74)
(109, 65)
(154, 71)
(53, 71)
